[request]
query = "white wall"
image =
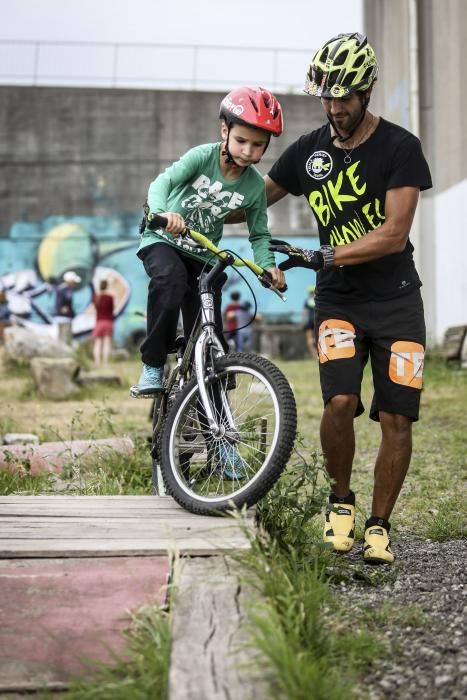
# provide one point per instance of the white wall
(450, 258)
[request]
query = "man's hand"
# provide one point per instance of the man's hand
(277, 276)
(298, 257)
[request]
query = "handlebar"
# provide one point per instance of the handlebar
(263, 275)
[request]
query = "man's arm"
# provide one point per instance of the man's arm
(391, 237)
(274, 192)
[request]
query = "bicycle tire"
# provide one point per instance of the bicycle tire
(258, 443)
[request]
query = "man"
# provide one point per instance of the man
(64, 295)
(362, 177)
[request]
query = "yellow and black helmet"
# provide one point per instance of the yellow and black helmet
(345, 64)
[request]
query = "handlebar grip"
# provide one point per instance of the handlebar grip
(157, 220)
(266, 281)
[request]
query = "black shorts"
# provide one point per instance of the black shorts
(391, 334)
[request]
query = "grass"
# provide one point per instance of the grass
(307, 637)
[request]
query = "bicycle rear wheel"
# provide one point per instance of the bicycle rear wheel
(256, 409)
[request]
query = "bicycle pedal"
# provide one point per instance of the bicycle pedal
(137, 393)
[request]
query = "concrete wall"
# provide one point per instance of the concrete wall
(422, 50)
(86, 152)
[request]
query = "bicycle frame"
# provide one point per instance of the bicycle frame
(204, 337)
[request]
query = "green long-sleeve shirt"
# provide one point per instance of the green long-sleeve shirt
(194, 187)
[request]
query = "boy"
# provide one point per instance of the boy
(199, 191)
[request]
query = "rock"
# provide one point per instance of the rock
(54, 456)
(23, 343)
(55, 378)
(20, 439)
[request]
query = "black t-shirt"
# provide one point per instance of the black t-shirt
(347, 199)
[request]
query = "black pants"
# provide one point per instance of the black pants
(173, 287)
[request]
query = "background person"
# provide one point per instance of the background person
(245, 321)
(231, 319)
(5, 313)
(64, 295)
(362, 177)
(103, 329)
(309, 324)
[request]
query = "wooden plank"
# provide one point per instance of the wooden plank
(192, 546)
(46, 526)
(209, 658)
(172, 520)
(82, 506)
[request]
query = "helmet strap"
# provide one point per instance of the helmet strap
(225, 150)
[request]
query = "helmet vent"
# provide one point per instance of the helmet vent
(359, 60)
(341, 58)
(255, 106)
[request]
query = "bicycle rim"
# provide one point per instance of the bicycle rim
(255, 408)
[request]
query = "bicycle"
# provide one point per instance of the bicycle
(224, 425)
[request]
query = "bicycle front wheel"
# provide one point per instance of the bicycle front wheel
(256, 411)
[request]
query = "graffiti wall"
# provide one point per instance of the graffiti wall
(34, 257)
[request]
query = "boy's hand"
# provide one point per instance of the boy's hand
(298, 257)
(278, 277)
(175, 222)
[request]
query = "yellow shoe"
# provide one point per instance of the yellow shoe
(377, 545)
(339, 525)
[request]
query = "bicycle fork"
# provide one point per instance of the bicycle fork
(208, 340)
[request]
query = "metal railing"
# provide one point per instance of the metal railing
(156, 66)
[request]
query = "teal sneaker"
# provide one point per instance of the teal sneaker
(230, 465)
(150, 381)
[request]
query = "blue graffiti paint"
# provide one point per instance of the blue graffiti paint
(103, 245)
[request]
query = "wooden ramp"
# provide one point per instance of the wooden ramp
(87, 526)
(72, 568)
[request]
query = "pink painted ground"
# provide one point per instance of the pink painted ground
(54, 613)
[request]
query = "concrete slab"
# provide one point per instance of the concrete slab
(56, 614)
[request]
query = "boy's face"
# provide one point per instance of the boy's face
(246, 143)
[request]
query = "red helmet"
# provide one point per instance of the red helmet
(253, 106)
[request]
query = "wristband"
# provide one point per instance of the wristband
(328, 253)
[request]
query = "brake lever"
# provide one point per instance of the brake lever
(266, 281)
(185, 235)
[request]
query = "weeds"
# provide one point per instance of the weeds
(447, 522)
(18, 480)
(143, 674)
(111, 474)
(286, 513)
(306, 636)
